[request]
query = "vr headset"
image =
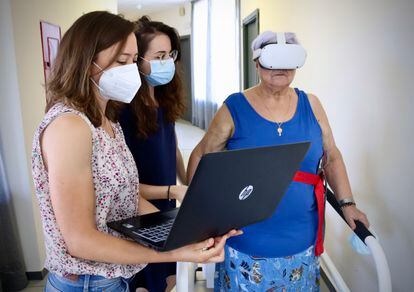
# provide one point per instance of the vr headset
(280, 55)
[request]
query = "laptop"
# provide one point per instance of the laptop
(229, 190)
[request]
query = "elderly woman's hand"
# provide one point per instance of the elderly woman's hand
(178, 192)
(352, 213)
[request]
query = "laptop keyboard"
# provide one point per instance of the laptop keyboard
(156, 233)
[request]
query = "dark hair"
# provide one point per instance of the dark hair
(169, 96)
(70, 80)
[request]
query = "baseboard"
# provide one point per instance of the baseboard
(36, 275)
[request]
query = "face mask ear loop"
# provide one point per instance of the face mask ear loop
(99, 67)
(140, 70)
(93, 81)
(145, 59)
(143, 73)
(96, 84)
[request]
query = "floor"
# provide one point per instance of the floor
(35, 286)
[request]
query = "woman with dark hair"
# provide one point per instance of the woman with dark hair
(148, 123)
(83, 172)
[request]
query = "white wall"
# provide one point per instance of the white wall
(361, 67)
(23, 100)
(169, 16)
(172, 18)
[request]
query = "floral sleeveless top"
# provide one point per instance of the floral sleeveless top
(115, 179)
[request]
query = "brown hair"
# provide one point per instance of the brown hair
(70, 80)
(169, 96)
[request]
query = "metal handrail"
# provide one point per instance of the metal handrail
(383, 271)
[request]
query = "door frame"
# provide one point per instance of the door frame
(189, 100)
(254, 16)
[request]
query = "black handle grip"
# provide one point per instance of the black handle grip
(361, 231)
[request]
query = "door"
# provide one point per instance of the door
(186, 67)
(250, 32)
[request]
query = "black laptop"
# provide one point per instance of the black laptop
(229, 190)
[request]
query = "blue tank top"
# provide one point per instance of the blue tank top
(293, 226)
(154, 156)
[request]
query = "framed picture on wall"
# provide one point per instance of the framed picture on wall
(53, 46)
(50, 38)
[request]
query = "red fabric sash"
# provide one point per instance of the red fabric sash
(318, 182)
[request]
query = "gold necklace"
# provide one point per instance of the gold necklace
(279, 124)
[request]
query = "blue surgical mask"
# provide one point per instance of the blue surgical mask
(162, 72)
(357, 244)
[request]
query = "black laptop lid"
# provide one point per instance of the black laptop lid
(232, 189)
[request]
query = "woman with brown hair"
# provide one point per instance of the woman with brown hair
(148, 123)
(83, 172)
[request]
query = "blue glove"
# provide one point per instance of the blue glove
(357, 244)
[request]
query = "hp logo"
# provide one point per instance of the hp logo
(245, 193)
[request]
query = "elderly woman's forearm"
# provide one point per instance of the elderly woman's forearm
(193, 163)
(337, 177)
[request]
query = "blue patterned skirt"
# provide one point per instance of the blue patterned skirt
(242, 272)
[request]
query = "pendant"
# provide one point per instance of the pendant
(279, 130)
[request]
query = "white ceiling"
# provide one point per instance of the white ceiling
(135, 8)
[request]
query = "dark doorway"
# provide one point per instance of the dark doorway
(186, 66)
(250, 32)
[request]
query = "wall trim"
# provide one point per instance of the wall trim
(36, 275)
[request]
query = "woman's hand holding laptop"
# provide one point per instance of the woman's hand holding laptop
(207, 251)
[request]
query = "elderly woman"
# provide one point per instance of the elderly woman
(280, 253)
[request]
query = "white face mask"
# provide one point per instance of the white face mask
(119, 83)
